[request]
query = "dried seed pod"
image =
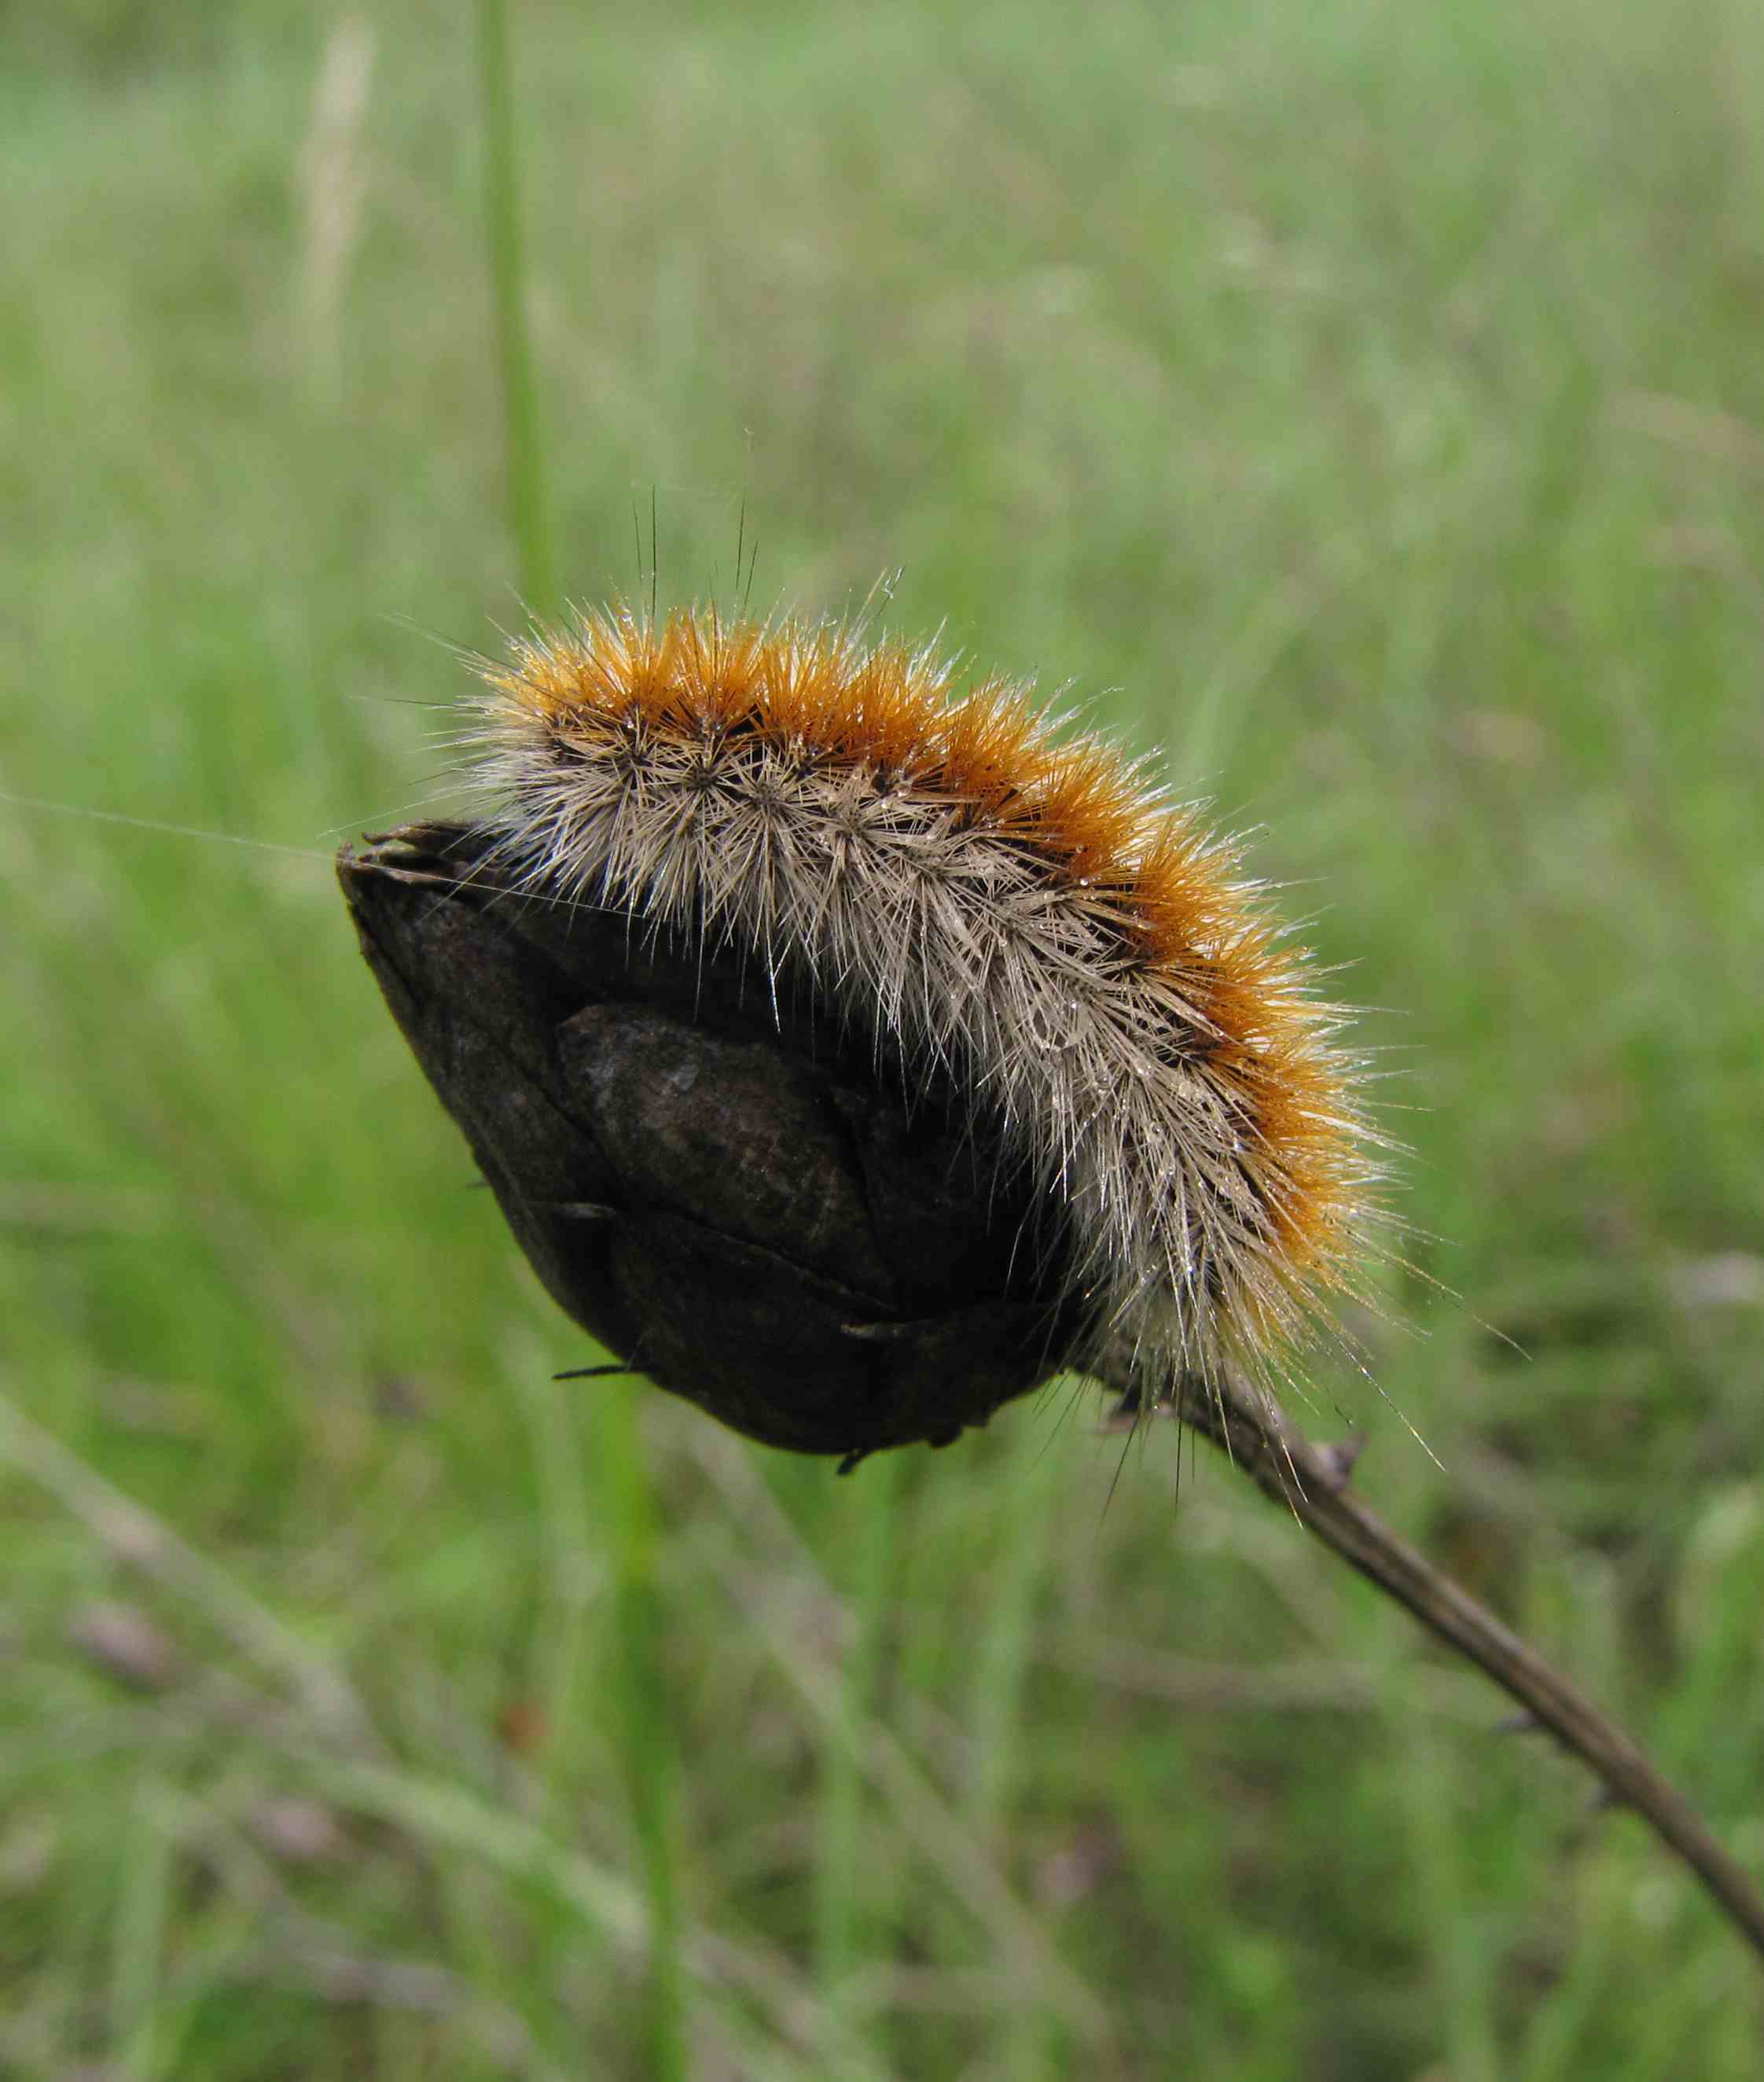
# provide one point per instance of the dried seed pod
(743, 1199)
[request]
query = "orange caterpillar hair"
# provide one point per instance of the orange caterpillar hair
(985, 896)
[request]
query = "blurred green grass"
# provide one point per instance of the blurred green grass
(1363, 408)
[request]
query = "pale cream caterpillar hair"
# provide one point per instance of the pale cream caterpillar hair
(1022, 909)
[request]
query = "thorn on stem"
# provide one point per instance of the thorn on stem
(1339, 1459)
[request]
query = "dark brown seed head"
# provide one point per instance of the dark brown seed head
(759, 1210)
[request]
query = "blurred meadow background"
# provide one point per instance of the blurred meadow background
(1362, 407)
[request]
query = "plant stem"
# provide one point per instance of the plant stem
(629, 1513)
(1312, 1484)
(843, 1889)
(525, 473)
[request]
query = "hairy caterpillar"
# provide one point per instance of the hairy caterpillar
(1021, 911)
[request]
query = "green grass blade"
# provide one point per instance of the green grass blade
(527, 504)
